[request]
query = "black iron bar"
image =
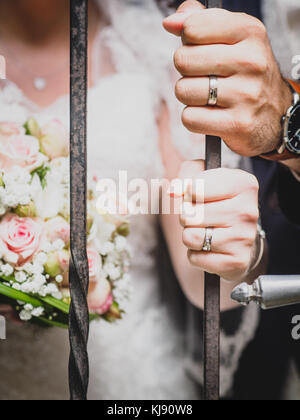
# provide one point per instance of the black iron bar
(211, 331)
(79, 271)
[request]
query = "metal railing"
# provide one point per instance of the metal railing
(79, 273)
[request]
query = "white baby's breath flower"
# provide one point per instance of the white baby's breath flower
(34, 285)
(41, 258)
(25, 316)
(7, 270)
(16, 286)
(53, 291)
(58, 245)
(45, 246)
(43, 291)
(28, 268)
(112, 271)
(123, 291)
(28, 307)
(101, 231)
(59, 278)
(106, 248)
(121, 243)
(20, 277)
(37, 312)
(26, 287)
(18, 189)
(57, 295)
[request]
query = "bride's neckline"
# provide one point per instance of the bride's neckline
(39, 109)
(33, 106)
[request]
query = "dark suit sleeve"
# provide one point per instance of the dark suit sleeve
(289, 194)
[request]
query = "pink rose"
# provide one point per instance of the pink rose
(7, 255)
(21, 236)
(57, 263)
(9, 129)
(100, 297)
(20, 150)
(55, 140)
(64, 260)
(58, 228)
(95, 264)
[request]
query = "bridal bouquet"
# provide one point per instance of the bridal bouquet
(35, 231)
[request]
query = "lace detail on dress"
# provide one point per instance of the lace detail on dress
(232, 348)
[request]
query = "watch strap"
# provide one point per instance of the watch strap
(295, 86)
(286, 155)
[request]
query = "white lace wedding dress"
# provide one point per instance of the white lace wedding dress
(142, 356)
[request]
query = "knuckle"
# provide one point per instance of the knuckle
(259, 64)
(181, 90)
(183, 220)
(181, 61)
(191, 29)
(186, 239)
(255, 27)
(188, 120)
(193, 258)
(249, 215)
(244, 125)
(240, 263)
(247, 237)
(252, 93)
(253, 183)
(255, 63)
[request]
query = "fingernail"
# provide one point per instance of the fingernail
(179, 17)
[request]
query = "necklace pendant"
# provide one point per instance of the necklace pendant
(40, 83)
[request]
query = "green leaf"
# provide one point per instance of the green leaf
(55, 303)
(42, 172)
(8, 278)
(94, 317)
(17, 295)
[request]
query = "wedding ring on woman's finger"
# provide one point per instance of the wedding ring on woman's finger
(207, 244)
(201, 239)
(213, 91)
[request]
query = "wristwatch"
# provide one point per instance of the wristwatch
(290, 147)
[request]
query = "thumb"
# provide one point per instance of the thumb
(174, 23)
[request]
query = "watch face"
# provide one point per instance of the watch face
(294, 131)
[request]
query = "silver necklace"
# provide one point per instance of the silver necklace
(39, 82)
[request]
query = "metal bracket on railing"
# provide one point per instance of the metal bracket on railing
(269, 292)
(79, 271)
(211, 335)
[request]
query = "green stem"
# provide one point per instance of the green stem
(55, 303)
(17, 295)
(53, 323)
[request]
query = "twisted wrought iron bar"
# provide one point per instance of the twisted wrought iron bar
(211, 332)
(79, 271)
